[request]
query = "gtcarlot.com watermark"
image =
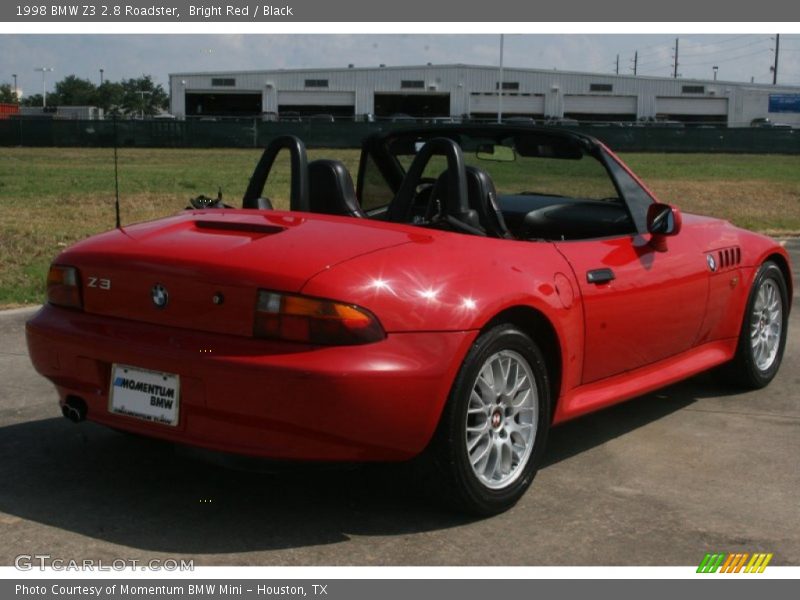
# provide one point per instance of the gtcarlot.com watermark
(29, 562)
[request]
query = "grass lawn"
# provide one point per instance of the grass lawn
(52, 197)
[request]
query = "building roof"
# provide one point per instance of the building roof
(479, 67)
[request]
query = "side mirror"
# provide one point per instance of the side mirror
(663, 221)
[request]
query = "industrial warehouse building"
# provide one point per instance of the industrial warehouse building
(467, 91)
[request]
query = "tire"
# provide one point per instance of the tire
(504, 436)
(756, 364)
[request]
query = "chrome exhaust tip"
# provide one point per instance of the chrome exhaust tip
(74, 409)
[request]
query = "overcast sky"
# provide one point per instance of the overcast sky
(739, 57)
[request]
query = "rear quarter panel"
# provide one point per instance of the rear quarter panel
(454, 282)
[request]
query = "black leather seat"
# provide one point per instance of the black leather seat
(482, 202)
(482, 198)
(331, 190)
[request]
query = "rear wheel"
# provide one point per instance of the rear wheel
(493, 430)
(763, 335)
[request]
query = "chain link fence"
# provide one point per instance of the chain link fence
(255, 133)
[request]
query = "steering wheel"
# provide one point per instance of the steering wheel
(424, 182)
(298, 196)
(201, 202)
(422, 198)
(435, 202)
(455, 206)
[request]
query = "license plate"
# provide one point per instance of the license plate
(142, 394)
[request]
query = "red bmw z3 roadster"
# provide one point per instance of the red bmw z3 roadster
(478, 285)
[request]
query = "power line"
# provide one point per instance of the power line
(695, 49)
(662, 58)
(733, 49)
(723, 60)
(656, 65)
(715, 43)
(658, 45)
(661, 48)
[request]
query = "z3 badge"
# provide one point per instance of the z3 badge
(99, 282)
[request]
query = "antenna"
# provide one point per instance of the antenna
(116, 175)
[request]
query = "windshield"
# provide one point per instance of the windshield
(521, 184)
(523, 165)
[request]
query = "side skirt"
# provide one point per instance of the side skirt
(607, 392)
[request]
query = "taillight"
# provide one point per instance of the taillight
(64, 286)
(313, 320)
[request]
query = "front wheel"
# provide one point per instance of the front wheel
(763, 335)
(493, 430)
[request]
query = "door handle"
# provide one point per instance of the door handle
(600, 276)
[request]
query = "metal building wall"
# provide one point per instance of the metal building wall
(745, 101)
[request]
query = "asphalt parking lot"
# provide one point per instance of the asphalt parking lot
(660, 480)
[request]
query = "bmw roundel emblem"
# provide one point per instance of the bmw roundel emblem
(160, 295)
(712, 263)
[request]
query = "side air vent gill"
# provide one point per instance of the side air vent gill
(729, 258)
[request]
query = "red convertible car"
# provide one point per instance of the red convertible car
(478, 285)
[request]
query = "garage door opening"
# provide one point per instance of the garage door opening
(414, 105)
(694, 119)
(485, 106)
(600, 117)
(695, 111)
(492, 117)
(597, 108)
(306, 110)
(223, 105)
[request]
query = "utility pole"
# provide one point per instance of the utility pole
(774, 68)
(635, 61)
(617, 71)
(16, 89)
(675, 70)
(101, 76)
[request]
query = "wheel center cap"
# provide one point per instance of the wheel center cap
(497, 419)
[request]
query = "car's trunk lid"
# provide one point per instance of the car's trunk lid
(210, 264)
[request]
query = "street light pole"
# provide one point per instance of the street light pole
(101, 76)
(716, 68)
(44, 71)
(16, 89)
(142, 93)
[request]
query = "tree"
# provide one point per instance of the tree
(73, 91)
(109, 96)
(139, 96)
(143, 97)
(7, 94)
(34, 100)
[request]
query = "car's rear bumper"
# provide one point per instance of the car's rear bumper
(379, 401)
